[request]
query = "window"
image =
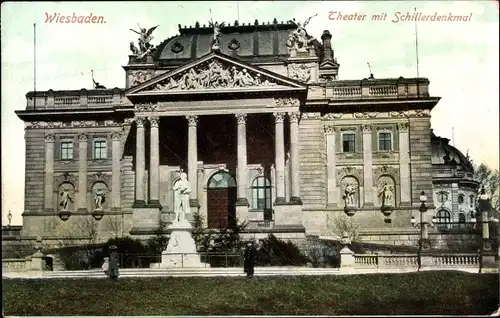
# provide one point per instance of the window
(67, 150)
(100, 149)
(348, 142)
(442, 197)
(443, 219)
(460, 198)
(461, 218)
(384, 141)
(471, 198)
(261, 193)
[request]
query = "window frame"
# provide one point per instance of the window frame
(95, 141)
(391, 140)
(64, 151)
(267, 188)
(344, 133)
(445, 215)
(440, 194)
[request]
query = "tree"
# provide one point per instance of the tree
(489, 180)
(341, 223)
(159, 241)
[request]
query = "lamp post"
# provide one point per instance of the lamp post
(487, 254)
(423, 242)
(9, 217)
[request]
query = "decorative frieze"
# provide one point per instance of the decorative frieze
(146, 107)
(214, 75)
(301, 72)
(54, 124)
(35, 124)
(112, 123)
(403, 127)
(350, 171)
(411, 113)
(310, 115)
(84, 123)
(139, 77)
(66, 177)
(287, 102)
(331, 116)
(365, 115)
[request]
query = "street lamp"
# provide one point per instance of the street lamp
(484, 206)
(424, 244)
(9, 217)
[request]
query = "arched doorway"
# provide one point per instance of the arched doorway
(221, 200)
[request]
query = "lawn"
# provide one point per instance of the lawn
(445, 293)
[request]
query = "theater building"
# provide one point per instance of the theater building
(266, 131)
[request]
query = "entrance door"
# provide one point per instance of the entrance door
(221, 200)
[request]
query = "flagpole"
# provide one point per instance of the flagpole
(34, 66)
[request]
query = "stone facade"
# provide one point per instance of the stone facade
(315, 136)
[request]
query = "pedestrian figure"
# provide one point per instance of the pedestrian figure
(249, 259)
(105, 266)
(113, 262)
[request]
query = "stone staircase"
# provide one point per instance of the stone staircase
(312, 162)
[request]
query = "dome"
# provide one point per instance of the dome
(445, 154)
(252, 42)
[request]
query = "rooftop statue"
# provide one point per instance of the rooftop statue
(144, 40)
(299, 40)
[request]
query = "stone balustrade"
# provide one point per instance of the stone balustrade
(50, 99)
(373, 88)
(411, 260)
(453, 260)
(16, 265)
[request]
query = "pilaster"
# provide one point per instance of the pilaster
(49, 172)
(404, 164)
(280, 158)
(294, 158)
(140, 163)
(330, 166)
(115, 170)
(193, 159)
(154, 164)
(82, 172)
(367, 165)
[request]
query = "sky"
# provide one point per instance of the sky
(459, 58)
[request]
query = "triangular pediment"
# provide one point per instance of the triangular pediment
(215, 72)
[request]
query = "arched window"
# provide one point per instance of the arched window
(261, 193)
(443, 219)
(461, 218)
(461, 199)
(221, 180)
(442, 197)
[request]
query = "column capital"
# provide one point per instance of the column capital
(83, 137)
(279, 117)
(366, 128)
(330, 129)
(192, 120)
(154, 121)
(241, 118)
(50, 138)
(403, 127)
(116, 135)
(294, 117)
(140, 121)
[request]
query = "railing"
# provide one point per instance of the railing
(9, 265)
(385, 260)
(383, 90)
(98, 100)
(81, 98)
(66, 101)
(454, 260)
(374, 88)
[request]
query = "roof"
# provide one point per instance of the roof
(445, 154)
(257, 42)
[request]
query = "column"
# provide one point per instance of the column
(280, 158)
(367, 164)
(49, 172)
(193, 158)
(116, 170)
(82, 172)
(154, 164)
(140, 163)
(330, 168)
(294, 157)
(242, 160)
(404, 164)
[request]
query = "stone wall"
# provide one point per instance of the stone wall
(420, 157)
(34, 170)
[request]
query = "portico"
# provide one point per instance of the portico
(280, 99)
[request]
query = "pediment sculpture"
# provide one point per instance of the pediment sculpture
(213, 75)
(145, 47)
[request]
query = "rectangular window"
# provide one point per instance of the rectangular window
(67, 150)
(384, 141)
(100, 149)
(349, 142)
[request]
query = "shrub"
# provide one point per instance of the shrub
(275, 252)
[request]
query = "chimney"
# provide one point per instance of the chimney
(327, 45)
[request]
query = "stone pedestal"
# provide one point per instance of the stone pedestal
(387, 209)
(181, 248)
(347, 260)
(350, 209)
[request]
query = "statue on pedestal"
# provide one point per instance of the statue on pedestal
(99, 199)
(181, 188)
(349, 195)
(65, 199)
(217, 33)
(299, 40)
(144, 38)
(386, 194)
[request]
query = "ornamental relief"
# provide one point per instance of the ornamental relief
(146, 107)
(98, 177)
(287, 102)
(331, 116)
(213, 75)
(386, 155)
(301, 72)
(350, 171)
(411, 113)
(66, 177)
(139, 77)
(349, 156)
(365, 115)
(391, 171)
